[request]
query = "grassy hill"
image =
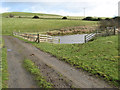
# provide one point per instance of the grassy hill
(26, 14)
(42, 15)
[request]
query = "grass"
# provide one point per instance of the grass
(4, 68)
(42, 15)
(38, 25)
(33, 69)
(26, 14)
(99, 57)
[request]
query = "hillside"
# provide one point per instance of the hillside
(26, 14)
(43, 15)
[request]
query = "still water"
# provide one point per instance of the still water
(70, 39)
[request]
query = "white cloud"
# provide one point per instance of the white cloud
(100, 8)
(5, 9)
(59, 0)
(108, 9)
(119, 9)
(40, 9)
(35, 9)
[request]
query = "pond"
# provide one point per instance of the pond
(71, 39)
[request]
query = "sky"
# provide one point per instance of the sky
(97, 8)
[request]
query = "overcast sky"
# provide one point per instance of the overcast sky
(99, 8)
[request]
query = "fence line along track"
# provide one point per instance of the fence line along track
(36, 37)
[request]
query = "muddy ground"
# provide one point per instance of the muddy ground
(57, 72)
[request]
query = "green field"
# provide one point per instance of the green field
(38, 25)
(99, 57)
(42, 15)
(26, 14)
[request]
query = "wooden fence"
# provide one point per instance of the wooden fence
(37, 37)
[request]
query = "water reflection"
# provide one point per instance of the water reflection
(70, 39)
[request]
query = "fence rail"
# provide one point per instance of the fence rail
(107, 32)
(36, 37)
(89, 37)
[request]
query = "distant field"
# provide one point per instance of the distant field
(41, 15)
(30, 15)
(38, 25)
(45, 22)
(27, 14)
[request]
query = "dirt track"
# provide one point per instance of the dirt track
(50, 67)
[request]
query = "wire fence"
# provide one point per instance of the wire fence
(108, 31)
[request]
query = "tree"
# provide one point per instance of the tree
(64, 17)
(35, 17)
(88, 18)
(11, 15)
(117, 21)
(108, 23)
(99, 19)
(20, 17)
(92, 19)
(107, 19)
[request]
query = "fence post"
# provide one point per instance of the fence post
(85, 38)
(38, 38)
(58, 40)
(114, 30)
(28, 36)
(107, 34)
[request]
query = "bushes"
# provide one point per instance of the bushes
(92, 19)
(11, 15)
(116, 18)
(99, 19)
(19, 17)
(35, 17)
(88, 18)
(109, 22)
(107, 19)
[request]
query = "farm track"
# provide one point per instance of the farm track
(55, 71)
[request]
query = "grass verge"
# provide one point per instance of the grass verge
(33, 69)
(4, 67)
